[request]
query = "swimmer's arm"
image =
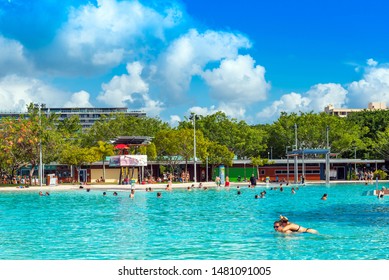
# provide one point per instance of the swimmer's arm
(287, 229)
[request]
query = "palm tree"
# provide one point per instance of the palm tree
(103, 150)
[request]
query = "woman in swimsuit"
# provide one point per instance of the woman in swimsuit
(288, 227)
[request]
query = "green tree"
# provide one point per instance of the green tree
(11, 154)
(312, 133)
(240, 138)
(382, 143)
(219, 154)
(75, 155)
(258, 161)
(151, 152)
(167, 149)
(102, 151)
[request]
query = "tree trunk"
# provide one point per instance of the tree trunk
(32, 173)
(104, 169)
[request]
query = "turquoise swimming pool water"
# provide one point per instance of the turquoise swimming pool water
(212, 224)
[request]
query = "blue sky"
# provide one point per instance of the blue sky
(250, 59)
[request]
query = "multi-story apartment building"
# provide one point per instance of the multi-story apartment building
(343, 112)
(88, 115)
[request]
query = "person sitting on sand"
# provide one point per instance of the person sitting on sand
(288, 227)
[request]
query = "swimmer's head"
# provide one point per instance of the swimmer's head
(277, 226)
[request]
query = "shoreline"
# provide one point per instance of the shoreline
(162, 186)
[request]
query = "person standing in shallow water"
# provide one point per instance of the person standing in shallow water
(253, 181)
(132, 194)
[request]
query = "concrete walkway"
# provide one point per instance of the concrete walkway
(162, 186)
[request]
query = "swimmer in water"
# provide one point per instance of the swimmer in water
(285, 226)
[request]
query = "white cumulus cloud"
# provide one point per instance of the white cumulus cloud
(12, 57)
(315, 99)
(189, 55)
(238, 81)
(321, 95)
(106, 33)
(16, 92)
(231, 111)
(373, 87)
(174, 120)
(372, 62)
(130, 89)
(122, 89)
(79, 99)
(202, 111)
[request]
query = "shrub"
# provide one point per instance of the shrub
(382, 175)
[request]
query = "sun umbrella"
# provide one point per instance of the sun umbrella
(121, 146)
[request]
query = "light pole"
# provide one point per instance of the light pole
(193, 117)
(271, 152)
(295, 157)
(40, 173)
(287, 164)
(268, 157)
(355, 157)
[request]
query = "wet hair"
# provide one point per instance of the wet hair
(283, 219)
(256, 196)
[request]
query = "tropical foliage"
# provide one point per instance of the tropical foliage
(219, 138)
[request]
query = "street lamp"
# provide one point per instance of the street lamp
(295, 158)
(355, 157)
(40, 175)
(287, 163)
(193, 117)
